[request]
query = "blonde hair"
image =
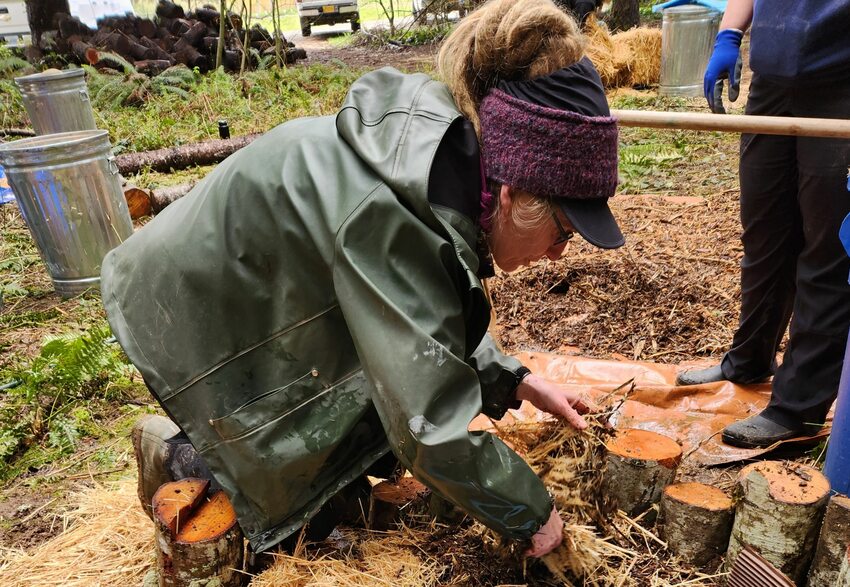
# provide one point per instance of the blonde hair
(528, 212)
(506, 40)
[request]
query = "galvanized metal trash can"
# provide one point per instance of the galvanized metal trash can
(687, 38)
(69, 191)
(57, 101)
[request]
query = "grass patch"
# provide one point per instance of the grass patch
(50, 401)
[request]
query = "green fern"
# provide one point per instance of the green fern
(11, 64)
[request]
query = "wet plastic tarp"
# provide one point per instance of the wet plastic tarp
(692, 415)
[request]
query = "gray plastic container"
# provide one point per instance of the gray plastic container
(69, 191)
(687, 38)
(57, 102)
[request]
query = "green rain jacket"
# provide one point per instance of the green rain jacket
(305, 309)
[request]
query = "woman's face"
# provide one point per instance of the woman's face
(513, 246)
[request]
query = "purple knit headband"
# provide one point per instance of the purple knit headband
(547, 152)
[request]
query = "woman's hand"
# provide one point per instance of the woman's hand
(548, 397)
(549, 537)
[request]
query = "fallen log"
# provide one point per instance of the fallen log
(832, 544)
(197, 537)
(388, 499)
(184, 156)
(779, 514)
(696, 521)
(142, 202)
(640, 465)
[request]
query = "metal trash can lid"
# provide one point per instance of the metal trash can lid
(686, 12)
(54, 147)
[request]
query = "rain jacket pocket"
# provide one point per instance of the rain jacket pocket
(269, 407)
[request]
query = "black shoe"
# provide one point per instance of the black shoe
(700, 376)
(713, 374)
(758, 432)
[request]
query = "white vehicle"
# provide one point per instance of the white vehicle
(14, 26)
(439, 7)
(311, 12)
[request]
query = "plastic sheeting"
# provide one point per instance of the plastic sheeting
(693, 415)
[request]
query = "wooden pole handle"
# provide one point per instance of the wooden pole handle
(767, 125)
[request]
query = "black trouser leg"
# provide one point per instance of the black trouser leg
(807, 381)
(772, 240)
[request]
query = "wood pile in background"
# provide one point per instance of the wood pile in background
(175, 36)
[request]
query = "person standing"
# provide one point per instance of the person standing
(794, 195)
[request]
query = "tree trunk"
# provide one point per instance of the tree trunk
(843, 579)
(697, 521)
(832, 544)
(205, 153)
(41, 15)
(779, 514)
(624, 15)
(197, 537)
(640, 465)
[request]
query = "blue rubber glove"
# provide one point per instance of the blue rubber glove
(725, 63)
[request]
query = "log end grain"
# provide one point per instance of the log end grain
(790, 483)
(404, 491)
(211, 519)
(643, 445)
(174, 502)
(700, 496)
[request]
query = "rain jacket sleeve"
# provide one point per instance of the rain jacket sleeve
(499, 376)
(404, 295)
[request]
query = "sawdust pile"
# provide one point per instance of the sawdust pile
(630, 58)
(107, 540)
(671, 293)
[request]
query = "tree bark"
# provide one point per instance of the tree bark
(41, 15)
(625, 15)
(779, 514)
(197, 537)
(832, 544)
(640, 465)
(205, 153)
(697, 521)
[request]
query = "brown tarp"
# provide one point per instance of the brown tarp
(692, 415)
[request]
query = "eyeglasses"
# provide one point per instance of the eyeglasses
(564, 235)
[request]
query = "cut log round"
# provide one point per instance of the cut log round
(138, 201)
(640, 465)
(779, 514)
(388, 499)
(697, 521)
(197, 537)
(832, 544)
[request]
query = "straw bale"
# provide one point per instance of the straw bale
(641, 47)
(629, 58)
(108, 540)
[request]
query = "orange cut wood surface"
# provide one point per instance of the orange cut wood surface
(646, 446)
(210, 520)
(699, 495)
(406, 490)
(791, 483)
(174, 502)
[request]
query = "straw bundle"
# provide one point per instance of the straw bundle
(571, 464)
(624, 59)
(643, 48)
(374, 559)
(108, 540)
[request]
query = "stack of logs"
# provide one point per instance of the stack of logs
(174, 37)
